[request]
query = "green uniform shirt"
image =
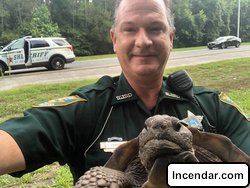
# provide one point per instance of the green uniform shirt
(69, 130)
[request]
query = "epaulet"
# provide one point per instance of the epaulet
(202, 89)
(225, 99)
(65, 101)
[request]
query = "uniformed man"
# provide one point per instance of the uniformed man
(83, 128)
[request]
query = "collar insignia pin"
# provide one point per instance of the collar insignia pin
(169, 94)
(124, 96)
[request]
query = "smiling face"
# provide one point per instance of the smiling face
(142, 37)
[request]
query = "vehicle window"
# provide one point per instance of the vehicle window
(17, 45)
(60, 42)
(38, 43)
(220, 39)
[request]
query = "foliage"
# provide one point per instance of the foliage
(79, 40)
(97, 24)
(7, 37)
(86, 24)
(41, 24)
(190, 32)
(244, 20)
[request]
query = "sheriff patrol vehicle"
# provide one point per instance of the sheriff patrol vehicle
(27, 52)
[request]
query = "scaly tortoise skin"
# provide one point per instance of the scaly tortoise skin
(142, 161)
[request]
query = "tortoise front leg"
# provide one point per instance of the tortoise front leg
(98, 177)
(112, 174)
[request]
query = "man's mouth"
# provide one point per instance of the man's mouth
(143, 55)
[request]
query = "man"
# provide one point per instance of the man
(78, 129)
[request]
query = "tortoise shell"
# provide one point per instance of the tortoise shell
(142, 161)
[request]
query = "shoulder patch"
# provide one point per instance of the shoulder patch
(224, 98)
(61, 102)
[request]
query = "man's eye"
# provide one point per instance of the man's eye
(156, 29)
(129, 30)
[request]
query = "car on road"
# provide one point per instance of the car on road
(224, 42)
(27, 52)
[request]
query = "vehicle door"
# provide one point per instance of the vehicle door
(230, 41)
(15, 53)
(40, 49)
(27, 53)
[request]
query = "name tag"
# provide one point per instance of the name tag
(110, 146)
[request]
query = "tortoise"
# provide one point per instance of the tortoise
(142, 161)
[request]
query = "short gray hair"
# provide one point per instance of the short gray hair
(167, 3)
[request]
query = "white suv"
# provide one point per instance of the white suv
(27, 52)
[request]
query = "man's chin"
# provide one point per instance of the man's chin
(144, 59)
(149, 72)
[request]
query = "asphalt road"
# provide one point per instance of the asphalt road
(98, 68)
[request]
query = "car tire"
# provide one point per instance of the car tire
(2, 69)
(57, 63)
(237, 44)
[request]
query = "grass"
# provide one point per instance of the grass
(14, 101)
(231, 76)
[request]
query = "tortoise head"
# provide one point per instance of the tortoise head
(163, 135)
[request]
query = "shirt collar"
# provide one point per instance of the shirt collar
(124, 92)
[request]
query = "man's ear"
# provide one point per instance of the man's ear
(113, 38)
(172, 34)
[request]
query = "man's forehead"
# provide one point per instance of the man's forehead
(142, 5)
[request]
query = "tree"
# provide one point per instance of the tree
(41, 24)
(97, 25)
(200, 21)
(245, 21)
(70, 16)
(86, 25)
(3, 14)
(15, 14)
(226, 12)
(188, 24)
(63, 12)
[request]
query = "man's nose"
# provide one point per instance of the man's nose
(143, 39)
